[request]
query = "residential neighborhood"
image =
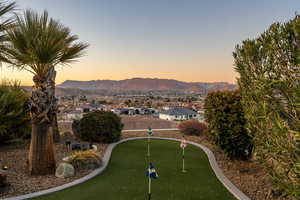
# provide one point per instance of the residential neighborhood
(165, 108)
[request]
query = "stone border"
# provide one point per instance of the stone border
(212, 160)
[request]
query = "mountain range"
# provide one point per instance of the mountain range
(146, 84)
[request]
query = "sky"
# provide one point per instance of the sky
(187, 40)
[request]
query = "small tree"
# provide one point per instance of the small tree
(99, 126)
(225, 116)
(192, 127)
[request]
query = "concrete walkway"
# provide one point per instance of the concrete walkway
(212, 160)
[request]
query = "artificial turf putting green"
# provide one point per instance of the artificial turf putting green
(125, 179)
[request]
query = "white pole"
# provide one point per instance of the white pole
(183, 170)
(149, 191)
(148, 147)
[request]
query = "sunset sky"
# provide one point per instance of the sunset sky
(188, 40)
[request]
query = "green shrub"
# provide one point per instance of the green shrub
(270, 88)
(99, 126)
(76, 128)
(192, 127)
(14, 113)
(226, 123)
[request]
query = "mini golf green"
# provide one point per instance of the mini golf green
(125, 179)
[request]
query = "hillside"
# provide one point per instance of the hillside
(147, 84)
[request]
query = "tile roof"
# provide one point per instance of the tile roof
(179, 111)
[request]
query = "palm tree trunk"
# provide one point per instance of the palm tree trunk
(41, 159)
(41, 153)
(56, 135)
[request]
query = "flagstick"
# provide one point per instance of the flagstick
(149, 191)
(149, 147)
(182, 159)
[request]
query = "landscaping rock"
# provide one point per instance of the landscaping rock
(94, 147)
(65, 170)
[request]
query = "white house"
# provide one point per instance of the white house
(178, 113)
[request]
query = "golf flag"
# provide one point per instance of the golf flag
(150, 132)
(183, 143)
(151, 173)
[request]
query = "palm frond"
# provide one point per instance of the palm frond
(38, 42)
(5, 23)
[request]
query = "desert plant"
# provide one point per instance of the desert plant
(269, 83)
(192, 127)
(14, 112)
(89, 159)
(37, 44)
(226, 123)
(100, 126)
(5, 23)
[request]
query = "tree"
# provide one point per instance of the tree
(269, 83)
(99, 126)
(226, 123)
(37, 44)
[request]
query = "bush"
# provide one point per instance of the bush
(269, 82)
(76, 128)
(192, 127)
(14, 113)
(226, 123)
(85, 159)
(99, 126)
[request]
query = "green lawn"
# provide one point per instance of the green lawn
(124, 178)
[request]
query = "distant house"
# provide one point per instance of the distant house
(178, 113)
(124, 111)
(90, 107)
(97, 107)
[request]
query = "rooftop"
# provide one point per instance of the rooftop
(179, 111)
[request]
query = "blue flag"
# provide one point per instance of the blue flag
(151, 172)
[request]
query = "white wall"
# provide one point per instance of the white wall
(177, 117)
(166, 117)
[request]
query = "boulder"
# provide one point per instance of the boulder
(64, 170)
(94, 147)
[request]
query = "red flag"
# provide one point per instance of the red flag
(183, 143)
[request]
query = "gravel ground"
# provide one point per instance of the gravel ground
(21, 183)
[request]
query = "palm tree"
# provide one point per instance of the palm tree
(5, 22)
(38, 44)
